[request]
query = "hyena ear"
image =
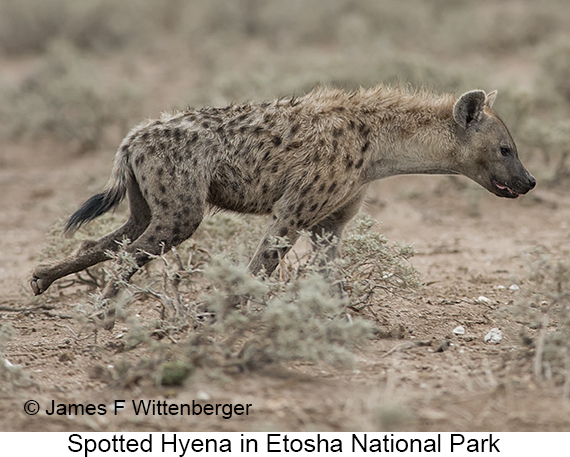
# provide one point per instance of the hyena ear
(490, 99)
(469, 107)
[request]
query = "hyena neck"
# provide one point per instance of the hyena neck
(411, 144)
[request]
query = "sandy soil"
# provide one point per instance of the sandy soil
(469, 244)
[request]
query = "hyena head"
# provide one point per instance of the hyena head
(487, 153)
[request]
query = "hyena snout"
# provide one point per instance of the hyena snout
(531, 182)
(517, 185)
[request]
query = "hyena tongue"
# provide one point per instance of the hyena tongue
(505, 187)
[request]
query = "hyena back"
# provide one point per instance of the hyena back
(307, 161)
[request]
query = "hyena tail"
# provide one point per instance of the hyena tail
(99, 204)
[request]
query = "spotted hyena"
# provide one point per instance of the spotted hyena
(306, 161)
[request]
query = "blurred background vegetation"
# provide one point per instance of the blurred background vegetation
(80, 73)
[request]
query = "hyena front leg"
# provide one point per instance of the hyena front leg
(267, 256)
(329, 230)
(91, 252)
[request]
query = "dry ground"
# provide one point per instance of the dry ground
(469, 244)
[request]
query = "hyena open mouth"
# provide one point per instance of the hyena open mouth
(506, 190)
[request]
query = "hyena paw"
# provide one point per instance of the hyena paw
(38, 285)
(40, 282)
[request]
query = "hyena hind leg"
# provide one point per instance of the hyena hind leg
(159, 237)
(89, 253)
(92, 252)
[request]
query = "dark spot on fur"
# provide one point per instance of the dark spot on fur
(162, 189)
(313, 208)
(322, 187)
(335, 144)
(359, 163)
(177, 135)
(332, 187)
(283, 231)
(295, 129)
(277, 141)
(363, 129)
(275, 168)
(206, 125)
(160, 171)
(337, 132)
(365, 147)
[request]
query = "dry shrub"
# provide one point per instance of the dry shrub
(224, 318)
(11, 376)
(542, 312)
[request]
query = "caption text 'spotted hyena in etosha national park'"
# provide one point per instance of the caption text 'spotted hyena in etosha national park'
(307, 161)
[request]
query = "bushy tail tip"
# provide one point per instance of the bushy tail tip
(94, 207)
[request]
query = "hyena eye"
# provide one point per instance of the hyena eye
(505, 151)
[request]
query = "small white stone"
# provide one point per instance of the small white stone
(514, 287)
(501, 287)
(484, 300)
(494, 336)
(202, 395)
(459, 330)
